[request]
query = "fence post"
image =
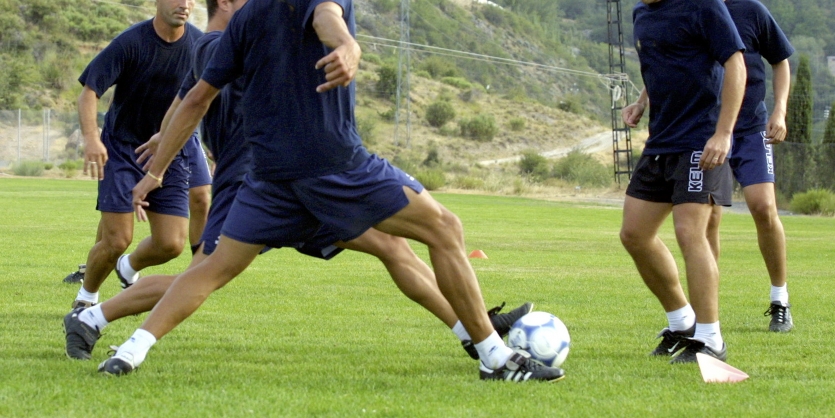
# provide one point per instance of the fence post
(18, 136)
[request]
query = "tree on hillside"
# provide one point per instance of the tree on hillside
(799, 116)
(792, 164)
(826, 153)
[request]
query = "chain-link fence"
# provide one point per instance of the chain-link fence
(39, 135)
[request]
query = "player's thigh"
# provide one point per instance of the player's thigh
(116, 229)
(690, 221)
(761, 198)
(424, 219)
(377, 243)
(642, 218)
(167, 230)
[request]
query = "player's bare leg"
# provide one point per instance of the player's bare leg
(199, 202)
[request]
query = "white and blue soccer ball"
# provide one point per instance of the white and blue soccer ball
(543, 336)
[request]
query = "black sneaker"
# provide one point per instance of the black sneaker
(520, 369)
(122, 280)
(672, 341)
(76, 277)
(81, 338)
(696, 346)
(83, 304)
(501, 323)
(781, 317)
(117, 366)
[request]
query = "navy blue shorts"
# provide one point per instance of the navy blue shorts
(198, 166)
(321, 245)
(677, 179)
(318, 211)
(752, 160)
(122, 173)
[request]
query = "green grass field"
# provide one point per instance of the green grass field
(298, 337)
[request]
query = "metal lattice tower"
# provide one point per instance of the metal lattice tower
(619, 89)
(404, 62)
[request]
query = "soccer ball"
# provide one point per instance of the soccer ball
(543, 336)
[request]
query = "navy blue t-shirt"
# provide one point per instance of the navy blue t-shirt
(763, 38)
(147, 72)
(682, 45)
(293, 131)
(221, 126)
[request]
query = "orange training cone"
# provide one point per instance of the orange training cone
(478, 254)
(717, 371)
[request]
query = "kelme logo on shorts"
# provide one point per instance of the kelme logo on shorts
(694, 183)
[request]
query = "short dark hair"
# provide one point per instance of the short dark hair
(211, 7)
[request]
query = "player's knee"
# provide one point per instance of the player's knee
(169, 248)
(631, 238)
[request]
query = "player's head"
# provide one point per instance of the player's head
(212, 6)
(174, 13)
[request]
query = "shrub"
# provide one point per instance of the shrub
(517, 124)
(70, 167)
(372, 58)
(388, 115)
(28, 169)
(439, 113)
(583, 170)
(534, 165)
(48, 166)
(431, 179)
(571, 104)
(815, 201)
(482, 128)
(439, 67)
(366, 127)
(432, 159)
(458, 82)
(387, 82)
(469, 182)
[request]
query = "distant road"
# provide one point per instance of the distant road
(593, 144)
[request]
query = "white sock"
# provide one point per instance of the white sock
(94, 317)
(460, 331)
(780, 294)
(127, 270)
(681, 319)
(493, 352)
(710, 335)
(87, 296)
(136, 347)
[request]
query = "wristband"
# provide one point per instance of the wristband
(158, 179)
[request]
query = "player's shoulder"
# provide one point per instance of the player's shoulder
(135, 32)
(193, 32)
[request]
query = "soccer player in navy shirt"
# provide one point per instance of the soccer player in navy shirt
(221, 129)
(146, 63)
(752, 158)
(691, 57)
(309, 169)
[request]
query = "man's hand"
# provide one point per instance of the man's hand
(715, 151)
(632, 114)
(147, 151)
(775, 129)
(140, 192)
(95, 157)
(340, 66)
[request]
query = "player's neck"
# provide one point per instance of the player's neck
(167, 32)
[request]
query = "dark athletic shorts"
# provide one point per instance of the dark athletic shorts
(198, 166)
(122, 173)
(752, 160)
(677, 179)
(316, 212)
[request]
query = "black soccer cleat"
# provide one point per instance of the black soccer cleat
(81, 338)
(521, 369)
(688, 355)
(83, 304)
(117, 366)
(781, 317)
(77, 276)
(672, 341)
(123, 281)
(501, 323)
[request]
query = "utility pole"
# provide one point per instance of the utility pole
(404, 63)
(619, 91)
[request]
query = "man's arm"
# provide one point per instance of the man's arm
(95, 154)
(775, 129)
(733, 89)
(340, 65)
(175, 135)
